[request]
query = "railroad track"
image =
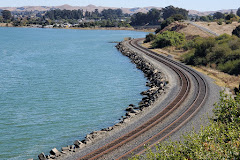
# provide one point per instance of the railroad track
(183, 73)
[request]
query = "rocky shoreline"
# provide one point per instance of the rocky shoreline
(156, 83)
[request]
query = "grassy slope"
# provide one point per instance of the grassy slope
(221, 79)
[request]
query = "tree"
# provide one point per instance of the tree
(230, 16)
(236, 31)
(153, 16)
(171, 10)
(1, 19)
(6, 14)
(238, 12)
(166, 22)
(210, 17)
(139, 19)
(177, 17)
(112, 13)
(218, 15)
(204, 18)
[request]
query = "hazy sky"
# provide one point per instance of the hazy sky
(201, 5)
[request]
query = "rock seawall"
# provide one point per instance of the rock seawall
(156, 86)
(156, 80)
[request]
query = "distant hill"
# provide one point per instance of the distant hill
(100, 8)
(194, 12)
(84, 8)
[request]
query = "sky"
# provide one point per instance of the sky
(200, 5)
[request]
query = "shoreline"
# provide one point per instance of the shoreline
(87, 28)
(156, 82)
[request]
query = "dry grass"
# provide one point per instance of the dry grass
(6, 25)
(221, 79)
(191, 30)
(186, 28)
(219, 29)
(167, 51)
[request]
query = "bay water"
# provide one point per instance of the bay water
(58, 85)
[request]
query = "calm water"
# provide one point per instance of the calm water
(58, 85)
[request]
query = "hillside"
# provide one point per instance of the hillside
(100, 8)
(84, 8)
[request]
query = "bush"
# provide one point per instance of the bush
(234, 44)
(222, 51)
(218, 54)
(199, 61)
(228, 21)
(220, 22)
(168, 38)
(188, 58)
(236, 31)
(189, 45)
(234, 55)
(223, 38)
(231, 67)
(158, 30)
(204, 46)
(149, 37)
(166, 22)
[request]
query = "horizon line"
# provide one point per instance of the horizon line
(108, 7)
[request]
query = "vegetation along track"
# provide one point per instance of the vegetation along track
(183, 73)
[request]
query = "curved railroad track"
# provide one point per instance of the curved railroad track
(183, 73)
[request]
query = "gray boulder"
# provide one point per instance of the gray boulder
(55, 152)
(42, 156)
(78, 144)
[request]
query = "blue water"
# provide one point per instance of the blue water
(58, 85)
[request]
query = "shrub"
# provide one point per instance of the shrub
(149, 37)
(231, 67)
(220, 22)
(166, 22)
(228, 21)
(230, 16)
(189, 45)
(236, 31)
(237, 90)
(188, 57)
(204, 46)
(223, 38)
(168, 38)
(234, 55)
(218, 54)
(223, 51)
(234, 43)
(227, 111)
(158, 30)
(199, 61)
